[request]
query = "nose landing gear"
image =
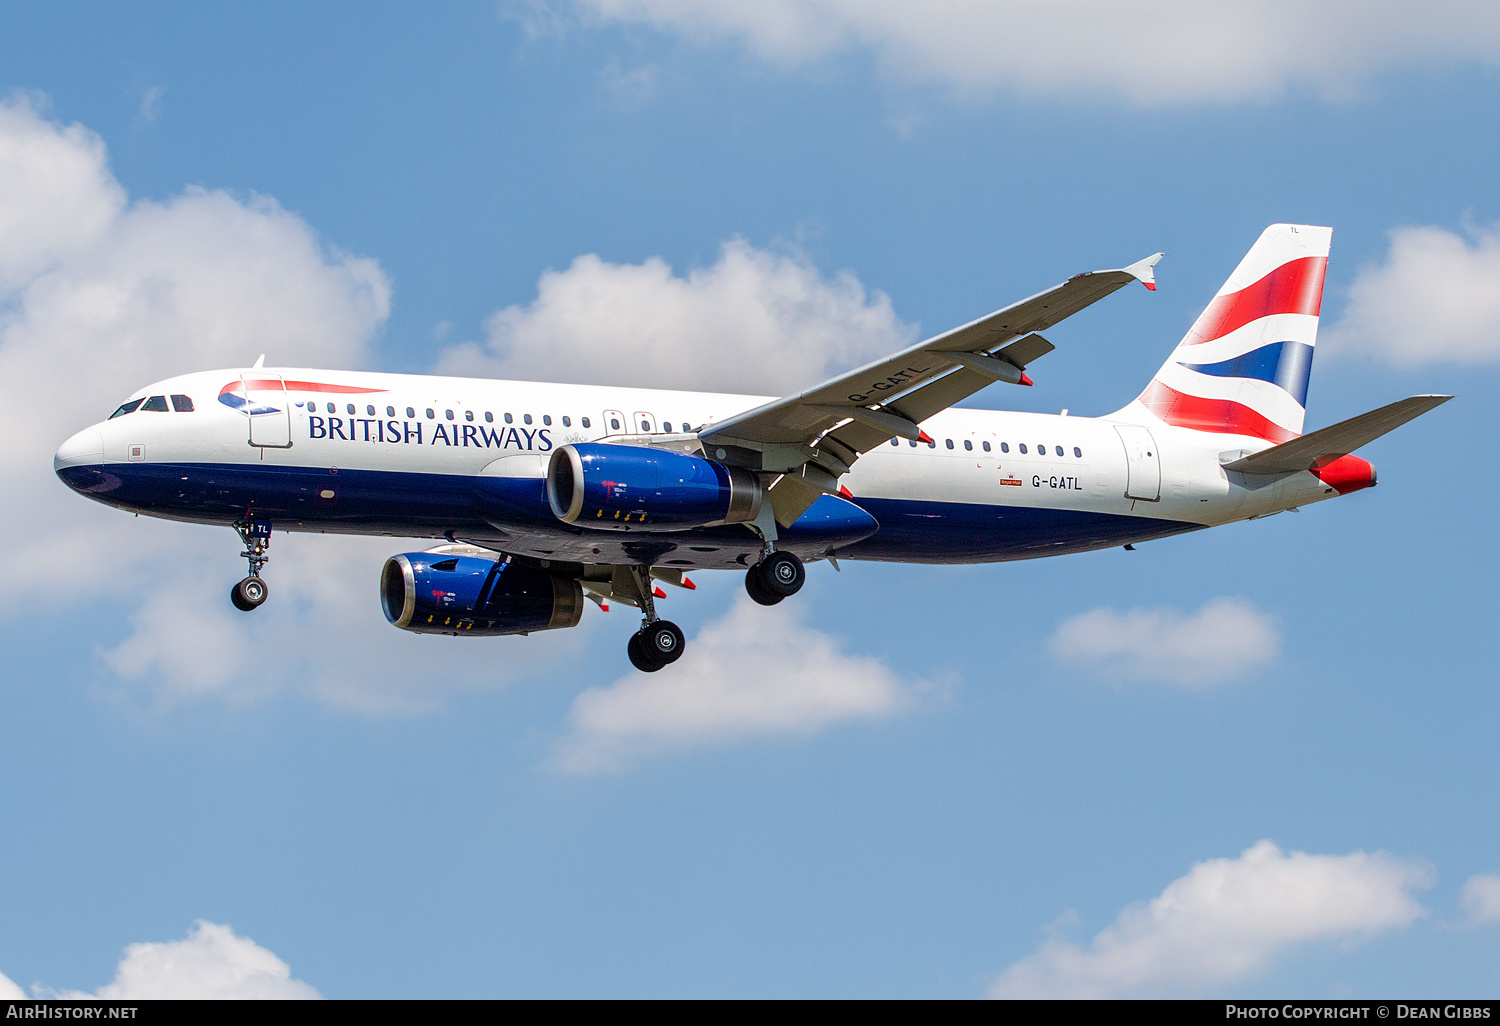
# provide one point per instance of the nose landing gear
(658, 642)
(778, 575)
(249, 593)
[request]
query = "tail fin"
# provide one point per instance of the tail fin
(1242, 368)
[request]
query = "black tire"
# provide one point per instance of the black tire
(781, 573)
(663, 641)
(249, 594)
(639, 658)
(757, 590)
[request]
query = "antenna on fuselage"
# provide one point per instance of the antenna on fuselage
(260, 362)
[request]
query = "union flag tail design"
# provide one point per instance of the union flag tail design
(1242, 368)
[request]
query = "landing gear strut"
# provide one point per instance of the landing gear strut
(777, 576)
(659, 641)
(252, 591)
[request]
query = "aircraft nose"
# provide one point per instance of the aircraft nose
(84, 448)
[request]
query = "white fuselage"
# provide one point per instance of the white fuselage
(393, 454)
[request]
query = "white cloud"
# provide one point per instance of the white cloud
(9, 991)
(150, 108)
(1143, 51)
(756, 321)
(1222, 922)
(210, 963)
(754, 672)
(1227, 638)
(57, 197)
(1480, 898)
(1434, 299)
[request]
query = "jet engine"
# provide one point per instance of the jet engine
(634, 488)
(436, 593)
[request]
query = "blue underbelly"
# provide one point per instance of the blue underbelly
(434, 505)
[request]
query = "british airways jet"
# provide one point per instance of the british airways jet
(544, 495)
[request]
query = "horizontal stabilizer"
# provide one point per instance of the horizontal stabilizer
(1338, 440)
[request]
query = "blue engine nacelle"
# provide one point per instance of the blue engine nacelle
(634, 488)
(433, 593)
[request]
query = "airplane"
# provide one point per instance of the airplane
(546, 496)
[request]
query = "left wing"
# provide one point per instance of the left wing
(813, 438)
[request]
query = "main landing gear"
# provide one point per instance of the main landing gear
(252, 591)
(658, 642)
(777, 576)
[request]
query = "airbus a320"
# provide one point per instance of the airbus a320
(546, 496)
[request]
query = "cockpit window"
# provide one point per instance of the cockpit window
(156, 404)
(182, 404)
(127, 408)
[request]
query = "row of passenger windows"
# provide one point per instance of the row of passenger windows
(489, 418)
(155, 404)
(1041, 450)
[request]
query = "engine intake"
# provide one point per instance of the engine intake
(634, 488)
(430, 593)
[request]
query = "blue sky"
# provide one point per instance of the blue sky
(379, 815)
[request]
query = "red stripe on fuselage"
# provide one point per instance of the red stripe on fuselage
(1296, 287)
(274, 385)
(1220, 415)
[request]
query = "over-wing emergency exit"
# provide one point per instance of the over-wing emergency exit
(544, 497)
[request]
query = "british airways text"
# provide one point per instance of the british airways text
(405, 432)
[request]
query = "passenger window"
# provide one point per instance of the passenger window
(666, 426)
(614, 425)
(567, 422)
(896, 441)
(489, 418)
(1059, 449)
(411, 412)
(468, 415)
(390, 411)
(1022, 447)
(448, 414)
(369, 411)
(332, 408)
(182, 404)
(913, 444)
(350, 408)
(509, 419)
(949, 442)
(932, 445)
(129, 407)
(986, 446)
(546, 420)
(1005, 447)
(1041, 450)
(526, 418)
(1077, 452)
(430, 414)
(968, 445)
(156, 404)
(584, 422)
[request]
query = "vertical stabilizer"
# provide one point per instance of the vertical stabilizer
(1242, 368)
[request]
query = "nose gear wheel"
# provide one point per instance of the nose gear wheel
(249, 593)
